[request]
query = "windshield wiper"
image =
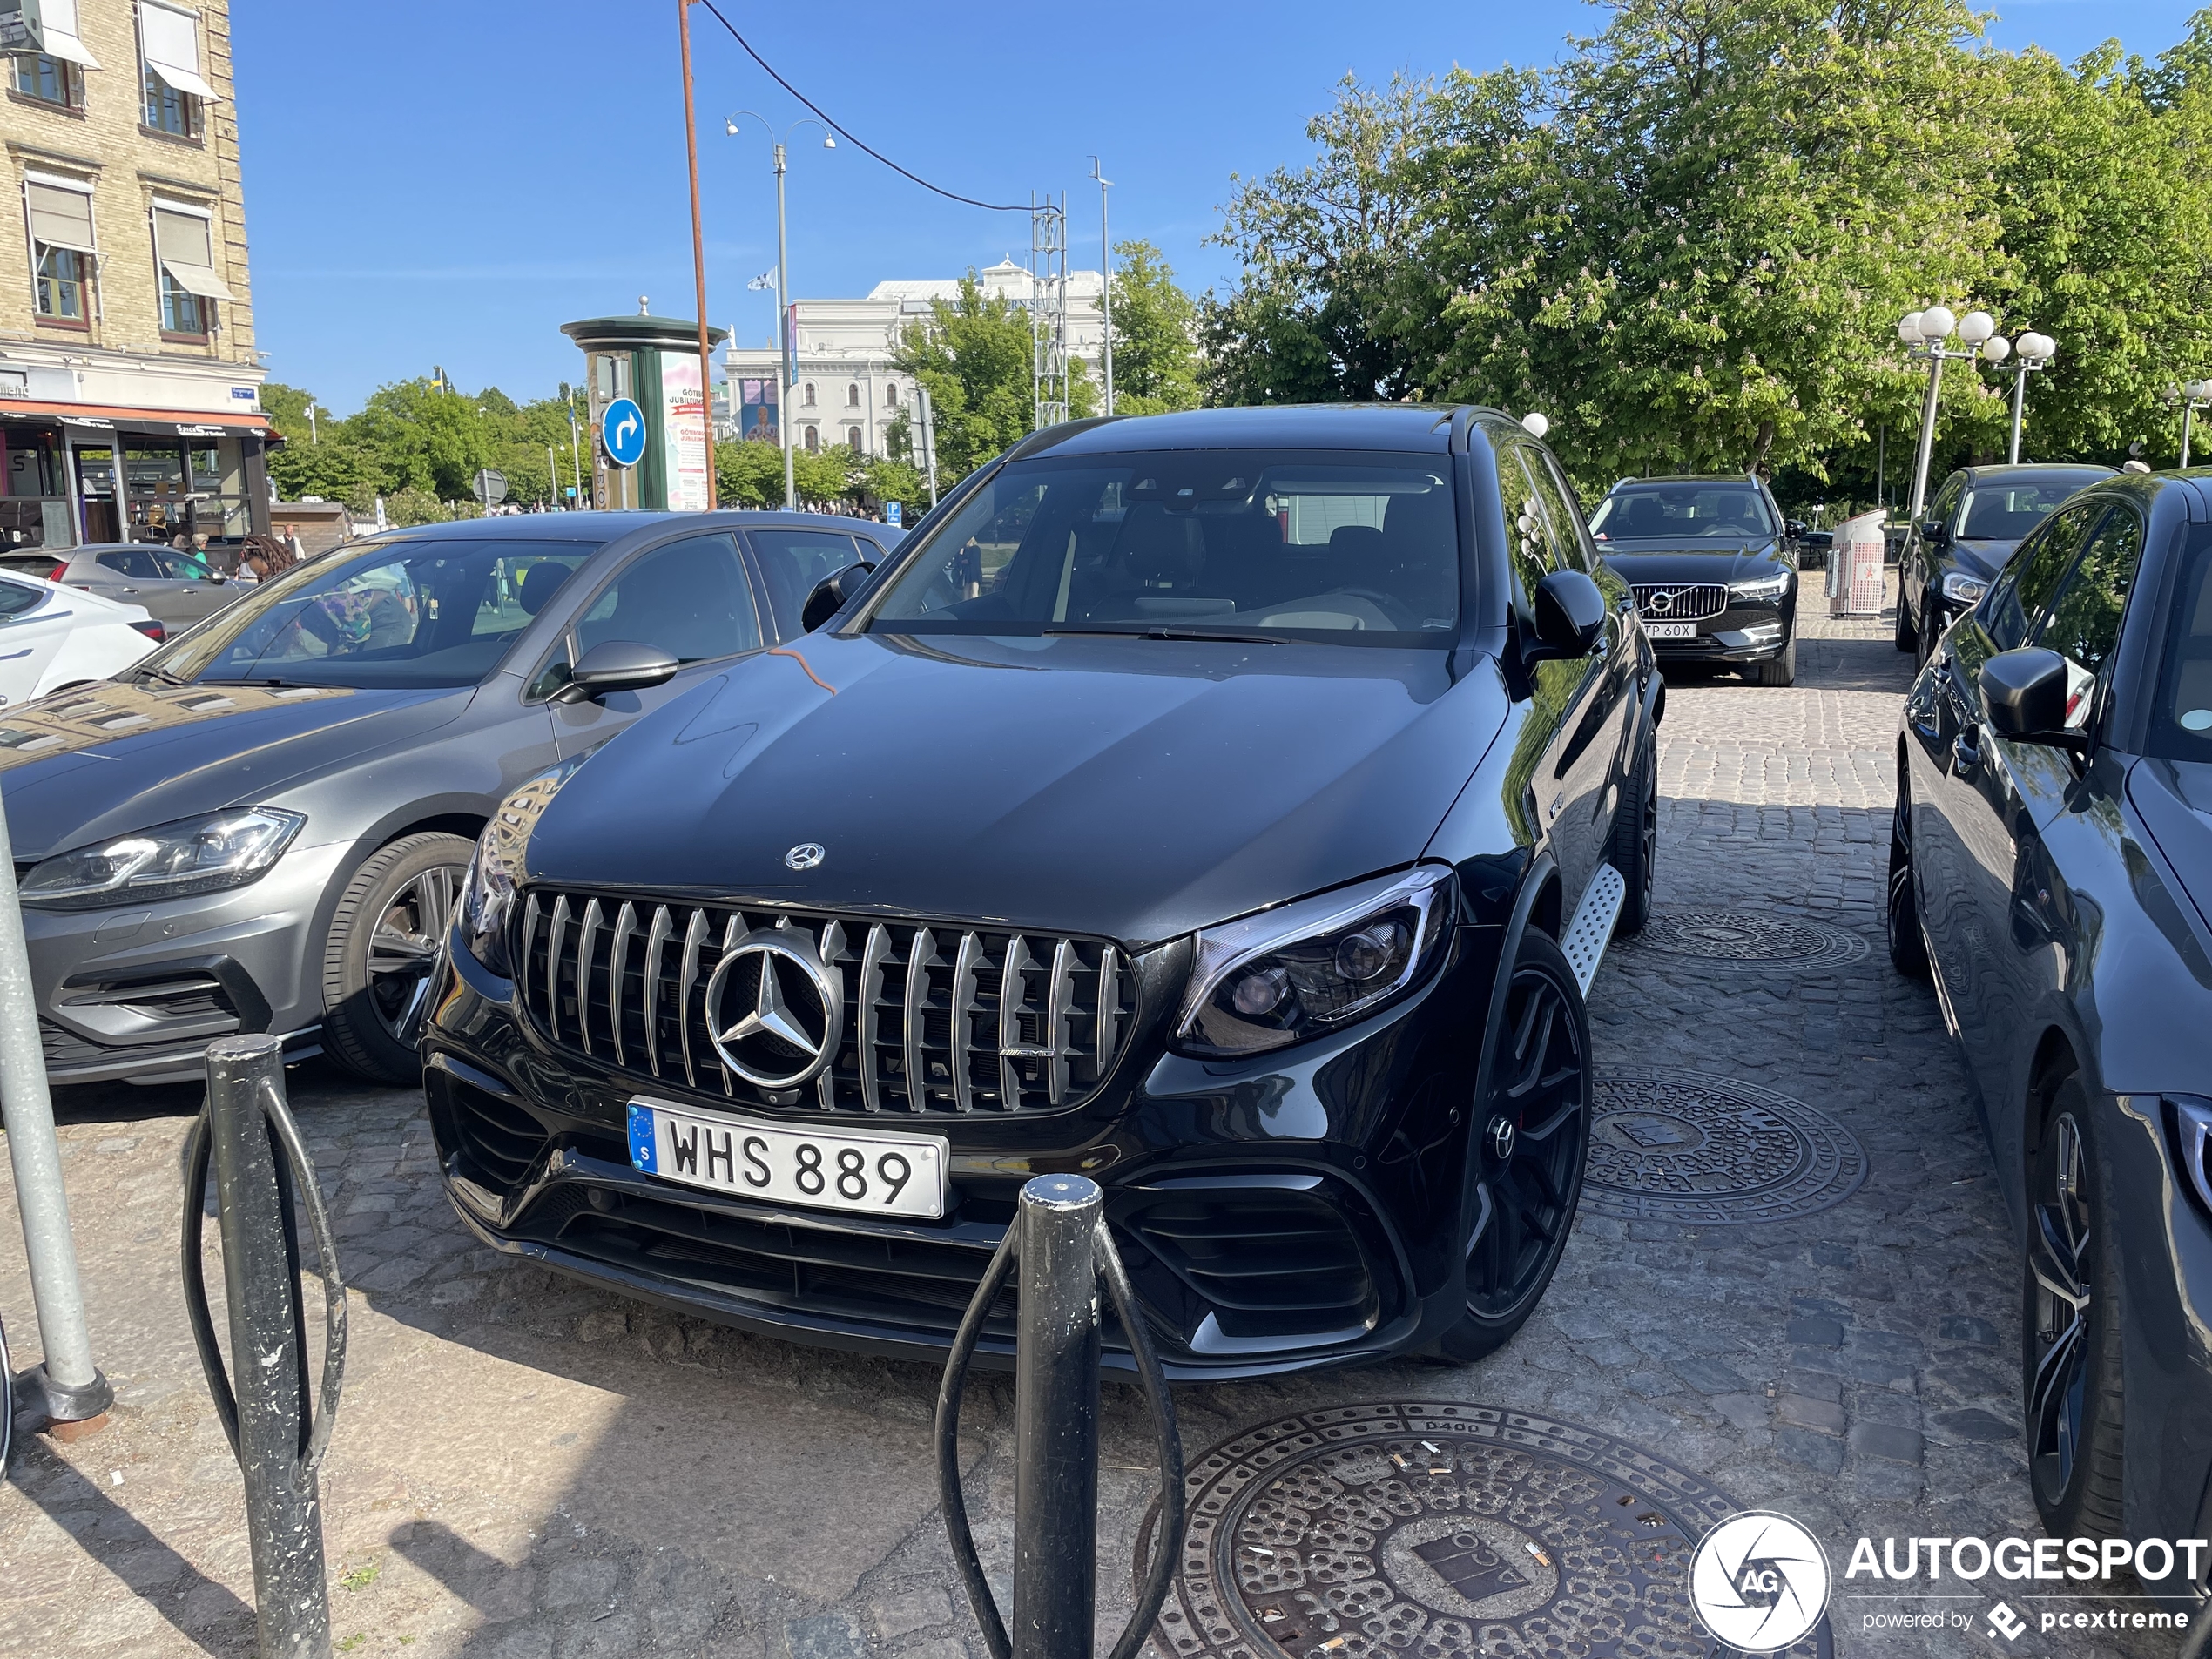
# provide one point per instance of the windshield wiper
(271, 681)
(1163, 633)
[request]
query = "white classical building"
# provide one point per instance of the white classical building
(848, 391)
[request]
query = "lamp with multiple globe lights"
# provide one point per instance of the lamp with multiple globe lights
(2191, 396)
(1925, 333)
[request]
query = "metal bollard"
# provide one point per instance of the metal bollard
(262, 1172)
(1060, 1239)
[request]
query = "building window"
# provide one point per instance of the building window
(809, 399)
(813, 436)
(853, 439)
(183, 246)
(169, 40)
(891, 395)
(50, 80)
(853, 396)
(61, 284)
(61, 248)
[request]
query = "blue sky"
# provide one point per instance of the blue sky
(448, 184)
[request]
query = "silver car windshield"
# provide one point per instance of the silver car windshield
(409, 613)
(1353, 548)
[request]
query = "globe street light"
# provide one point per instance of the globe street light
(2029, 353)
(2191, 395)
(1923, 332)
(786, 335)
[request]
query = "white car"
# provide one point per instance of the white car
(51, 637)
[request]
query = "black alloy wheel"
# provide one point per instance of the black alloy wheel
(381, 951)
(1908, 944)
(1635, 851)
(1528, 1148)
(2070, 1330)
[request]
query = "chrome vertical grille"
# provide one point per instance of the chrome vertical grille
(1680, 600)
(936, 1019)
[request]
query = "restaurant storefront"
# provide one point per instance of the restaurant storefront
(71, 474)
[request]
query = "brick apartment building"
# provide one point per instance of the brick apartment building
(129, 389)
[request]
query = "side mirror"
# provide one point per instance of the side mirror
(616, 665)
(1570, 616)
(830, 594)
(1794, 528)
(2024, 694)
(1933, 532)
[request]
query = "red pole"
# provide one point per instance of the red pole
(698, 254)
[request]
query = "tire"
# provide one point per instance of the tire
(2070, 1325)
(1908, 637)
(1926, 639)
(1521, 1203)
(1635, 841)
(1908, 943)
(406, 893)
(1783, 670)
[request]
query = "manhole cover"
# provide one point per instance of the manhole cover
(1684, 1146)
(1735, 937)
(1435, 1531)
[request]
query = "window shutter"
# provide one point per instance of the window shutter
(171, 39)
(61, 217)
(186, 244)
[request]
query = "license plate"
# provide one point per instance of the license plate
(875, 1175)
(1671, 630)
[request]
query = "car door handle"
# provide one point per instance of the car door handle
(1966, 749)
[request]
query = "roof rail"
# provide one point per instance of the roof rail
(1046, 436)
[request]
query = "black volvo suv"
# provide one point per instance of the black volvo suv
(1714, 567)
(1231, 806)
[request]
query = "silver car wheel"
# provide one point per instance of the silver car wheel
(402, 947)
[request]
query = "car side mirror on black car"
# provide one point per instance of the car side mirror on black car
(830, 594)
(1933, 532)
(1570, 616)
(616, 665)
(2024, 692)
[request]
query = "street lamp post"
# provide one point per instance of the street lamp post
(1106, 281)
(787, 347)
(2191, 395)
(1923, 333)
(2029, 353)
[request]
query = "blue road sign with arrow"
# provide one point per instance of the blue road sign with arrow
(622, 428)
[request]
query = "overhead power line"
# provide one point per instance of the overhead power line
(858, 144)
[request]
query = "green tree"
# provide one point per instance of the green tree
(424, 438)
(821, 476)
(974, 354)
(1155, 345)
(749, 474)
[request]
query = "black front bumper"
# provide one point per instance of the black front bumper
(1297, 1210)
(1742, 634)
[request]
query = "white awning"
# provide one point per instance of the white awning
(171, 41)
(57, 34)
(185, 243)
(60, 218)
(198, 279)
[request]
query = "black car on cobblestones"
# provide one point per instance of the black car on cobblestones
(1968, 533)
(2052, 863)
(1231, 807)
(1713, 565)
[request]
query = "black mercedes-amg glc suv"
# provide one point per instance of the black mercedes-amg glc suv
(1231, 806)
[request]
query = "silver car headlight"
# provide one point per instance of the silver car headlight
(1312, 967)
(1966, 590)
(1765, 587)
(493, 885)
(168, 862)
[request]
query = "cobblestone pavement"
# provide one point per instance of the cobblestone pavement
(525, 1468)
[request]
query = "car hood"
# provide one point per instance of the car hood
(1131, 788)
(1648, 562)
(1982, 560)
(2174, 800)
(82, 766)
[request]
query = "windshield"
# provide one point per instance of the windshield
(2181, 721)
(2007, 511)
(1730, 512)
(410, 613)
(1347, 547)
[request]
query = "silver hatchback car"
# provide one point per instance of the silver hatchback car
(262, 827)
(177, 588)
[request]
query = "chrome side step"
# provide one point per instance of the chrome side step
(1592, 929)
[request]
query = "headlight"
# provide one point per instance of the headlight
(2193, 1119)
(493, 884)
(1293, 973)
(1966, 590)
(1765, 587)
(168, 862)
